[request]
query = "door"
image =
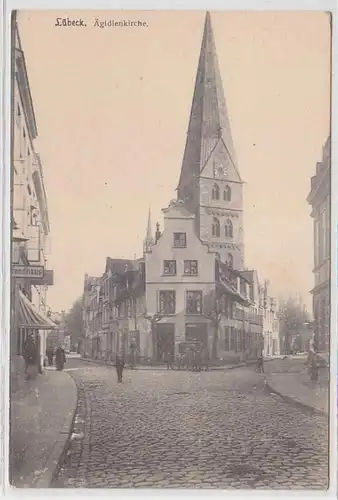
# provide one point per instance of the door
(198, 332)
(165, 341)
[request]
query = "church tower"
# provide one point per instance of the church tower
(210, 182)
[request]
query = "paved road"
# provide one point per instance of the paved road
(180, 429)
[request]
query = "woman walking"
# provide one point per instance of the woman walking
(60, 358)
(30, 357)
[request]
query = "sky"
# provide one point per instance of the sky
(112, 108)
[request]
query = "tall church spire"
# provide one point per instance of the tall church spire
(210, 183)
(149, 240)
(209, 121)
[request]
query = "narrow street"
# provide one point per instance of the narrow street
(220, 429)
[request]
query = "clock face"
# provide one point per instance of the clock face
(221, 170)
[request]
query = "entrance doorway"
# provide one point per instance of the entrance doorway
(165, 341)
(198, 332)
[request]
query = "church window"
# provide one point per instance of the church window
(228, 229)
(215, 227)
(227, 194)
(215, 192)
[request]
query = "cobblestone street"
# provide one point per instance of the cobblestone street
(220, 429)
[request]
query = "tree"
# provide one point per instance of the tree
(212, 310)
(74, 321)
(293, 316)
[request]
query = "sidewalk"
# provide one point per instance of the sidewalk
(294, 384)
(42, 412)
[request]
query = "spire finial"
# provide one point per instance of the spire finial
(149, 235)
(149, 240)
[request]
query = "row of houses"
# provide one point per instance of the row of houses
(320, 200)
(178, 292)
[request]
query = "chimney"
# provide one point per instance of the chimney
(158, 232)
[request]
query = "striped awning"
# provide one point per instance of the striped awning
(30, 317)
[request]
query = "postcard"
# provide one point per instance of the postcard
(170, 304)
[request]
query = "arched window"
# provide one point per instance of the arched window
(227, 194)
(230, 260)
(215, 227)
(228, 229)
(215, 192)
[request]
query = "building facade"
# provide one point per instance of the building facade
(196, 297)
(271, 325)
(114, 312)
(90, 314)
(320, 200)
(30, 221)
(180, 273)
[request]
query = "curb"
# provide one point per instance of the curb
(162, 368)
(295, 402)
(60, 448)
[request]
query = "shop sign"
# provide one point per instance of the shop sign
(31, 272)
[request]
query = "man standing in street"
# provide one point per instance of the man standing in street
(119, 367)
(206, 358)
(169, 361)
(260, 364)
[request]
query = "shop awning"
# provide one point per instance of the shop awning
(30, 317)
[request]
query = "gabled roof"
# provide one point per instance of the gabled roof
(118, 266)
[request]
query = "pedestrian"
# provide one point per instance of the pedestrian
(119, 367)
(132, 354)
(50, 355)
(314, 368)
(260, 363)
(194, 359)
(60, 358)
(199, 359)
(30, 357)
(169, 361)
(206, 359)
